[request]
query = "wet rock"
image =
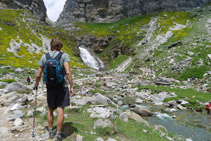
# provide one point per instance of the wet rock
(15, 86)
(180, 107)
(142, 111)
(102, 123)
(4, 133)
(18, 122)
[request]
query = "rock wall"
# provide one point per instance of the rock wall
(37, 7)
(106, 11)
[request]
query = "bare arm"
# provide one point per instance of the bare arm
(38, 76)
(69, 77)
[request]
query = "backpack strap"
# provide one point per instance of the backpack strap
(48, 56)
(58, 57)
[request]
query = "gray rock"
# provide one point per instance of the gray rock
(79, 138)
(137, 118)
(18, 122)
(17, 114)
(124, 116)
(99, 139)
(30, 113)
(4, 133)
(110, 139)
(14, 87)
(3, 84)
(102, 123)
(139, 101)
(180, 107)
(209, 56)
(100, 99)
(15, 106)
(142, 111)
(19, 70)
(99, 112)
(45, 136)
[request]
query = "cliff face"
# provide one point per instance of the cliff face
(37, 7)
(113, 10)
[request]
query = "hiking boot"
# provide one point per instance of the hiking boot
(51, 134)
(58, 137)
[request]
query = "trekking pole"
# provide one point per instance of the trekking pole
(34, 113)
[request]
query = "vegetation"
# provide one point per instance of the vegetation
(190, 95)
(8, 80)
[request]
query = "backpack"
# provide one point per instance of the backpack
(53, 73)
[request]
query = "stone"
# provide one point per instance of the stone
(41, 109)
(188, 139)
(110, 139)
(79, 138)
(4, 133)
(139, 101)
(15, 106)
(142, 111)
(18, 122)
(102, 123)
(15, 86)
(119, 103)
(17, 114)
(124, 116)
(99, 139)
(180, 107)
(19, 71)
(3, 84)
(99, 112)
(137, 118)
(209, 56)
(100, 99)
(29, 113)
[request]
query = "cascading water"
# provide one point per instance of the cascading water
(90, 60)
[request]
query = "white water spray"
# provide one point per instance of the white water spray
(90, 60)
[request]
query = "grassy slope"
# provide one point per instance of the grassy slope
(21, 25)
(129, 32)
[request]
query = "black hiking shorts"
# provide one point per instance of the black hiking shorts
(58, 97)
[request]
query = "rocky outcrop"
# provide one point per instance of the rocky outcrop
(37, 7)
(106, 11)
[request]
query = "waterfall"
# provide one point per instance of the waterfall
(90, 60)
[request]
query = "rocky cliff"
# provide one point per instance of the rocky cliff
(113, 10)
(37, 7)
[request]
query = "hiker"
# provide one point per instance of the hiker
(57, 91)
(208, 107)
(28, 79)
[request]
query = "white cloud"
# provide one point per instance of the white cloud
(54, 8)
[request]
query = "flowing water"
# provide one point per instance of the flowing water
(187, 123)
(90, 60)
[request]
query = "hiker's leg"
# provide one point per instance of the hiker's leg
(50, 117)
(60, 118)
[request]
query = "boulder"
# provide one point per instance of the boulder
(18, 122)
(102, 123)
(142, 111)
(14, 87)
(137, 118)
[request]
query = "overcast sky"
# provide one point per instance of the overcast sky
(54, 8)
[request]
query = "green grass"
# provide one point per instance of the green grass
(190, 95)
(18, 28)
(97, 91)
(79, 122)
(115, 62)
(8, 80)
